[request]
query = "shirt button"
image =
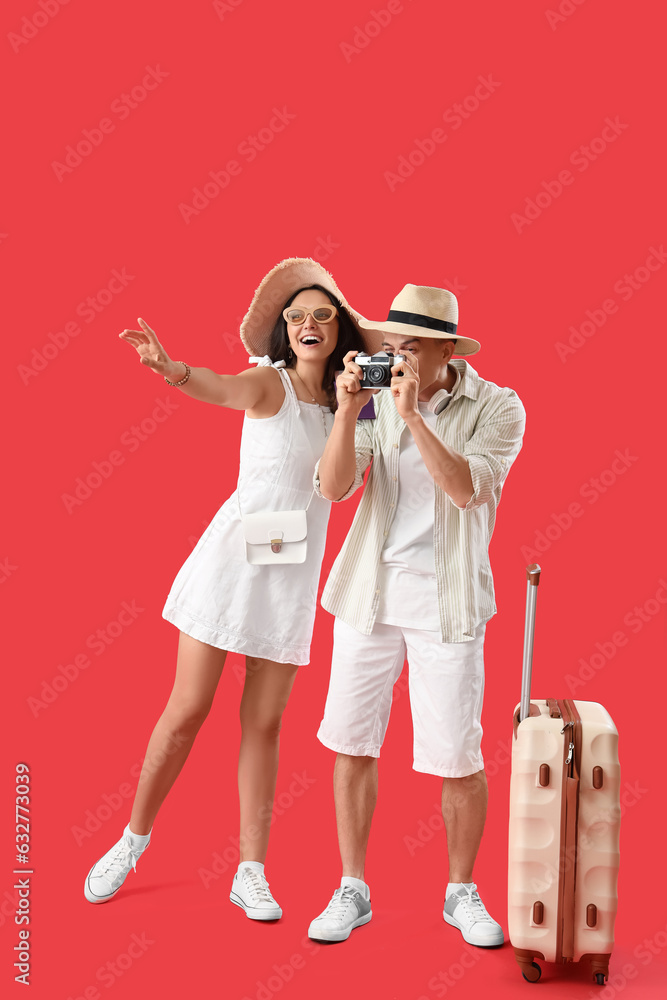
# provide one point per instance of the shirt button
(386, 533)
(395, 444)
(392, 504)
(394, 478)
(377, 591)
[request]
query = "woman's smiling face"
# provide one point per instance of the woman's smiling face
(312, 340)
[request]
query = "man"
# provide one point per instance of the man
(413, 577)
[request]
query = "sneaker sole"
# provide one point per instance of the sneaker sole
(470, 939)
(256, 912)
(343, 934)
(91, 897)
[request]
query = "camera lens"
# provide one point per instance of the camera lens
(375, 374)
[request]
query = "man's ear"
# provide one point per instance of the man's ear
(448, 349)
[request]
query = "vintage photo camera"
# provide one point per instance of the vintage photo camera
(376, 372)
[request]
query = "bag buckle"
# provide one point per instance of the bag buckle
(277, 541)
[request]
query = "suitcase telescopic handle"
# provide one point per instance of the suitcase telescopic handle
(533, 575)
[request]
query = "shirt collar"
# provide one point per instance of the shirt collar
(468, 385)
(457, 384)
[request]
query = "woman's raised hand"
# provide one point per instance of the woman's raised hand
(151, 352)
(349, 394)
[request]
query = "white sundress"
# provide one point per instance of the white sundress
(264, 611)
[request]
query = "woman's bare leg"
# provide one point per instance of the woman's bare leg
(198, 670)
(265, 694)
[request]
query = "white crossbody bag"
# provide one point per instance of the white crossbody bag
(275, 536)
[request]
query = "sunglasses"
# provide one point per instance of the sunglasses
(297, 316)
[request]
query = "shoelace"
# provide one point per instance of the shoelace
(119, 859)
(259, 887)
(340, 901)
(473, 904)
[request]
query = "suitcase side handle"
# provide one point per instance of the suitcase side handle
(533, 573)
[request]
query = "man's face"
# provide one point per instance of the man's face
(432, 355)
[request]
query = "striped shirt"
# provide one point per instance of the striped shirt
(483, 422)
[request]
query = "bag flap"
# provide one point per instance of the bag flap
(286, 525)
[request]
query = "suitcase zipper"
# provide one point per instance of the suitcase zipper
(570, 809)
(570, 749)
(575, 745)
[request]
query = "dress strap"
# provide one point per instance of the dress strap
(266, 362)
(289, 390)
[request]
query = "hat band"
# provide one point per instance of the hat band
(416, 319)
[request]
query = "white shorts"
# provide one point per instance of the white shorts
(446, 690)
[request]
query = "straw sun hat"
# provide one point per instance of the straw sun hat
(282, 281)
(421, 311)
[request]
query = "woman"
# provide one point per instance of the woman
(219, 600)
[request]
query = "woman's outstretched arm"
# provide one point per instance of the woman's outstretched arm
(246, 391)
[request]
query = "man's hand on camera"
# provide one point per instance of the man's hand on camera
(405, 387)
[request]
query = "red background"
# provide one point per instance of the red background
(360, 100)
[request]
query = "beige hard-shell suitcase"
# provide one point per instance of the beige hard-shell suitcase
(564, 826)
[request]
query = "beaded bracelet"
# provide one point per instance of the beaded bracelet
(188, 371)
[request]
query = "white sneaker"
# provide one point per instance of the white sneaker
(108, 874)
(251, 892)
(465, 910)
(347, 909)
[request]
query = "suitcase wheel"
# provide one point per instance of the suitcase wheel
(599, 978)
(531, 973)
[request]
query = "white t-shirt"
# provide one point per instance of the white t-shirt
(407, 582)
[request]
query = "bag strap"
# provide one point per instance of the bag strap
(266, 362)
(238, 502)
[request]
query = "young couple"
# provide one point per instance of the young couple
(412, 579)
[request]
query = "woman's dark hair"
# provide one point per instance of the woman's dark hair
(349, 339)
